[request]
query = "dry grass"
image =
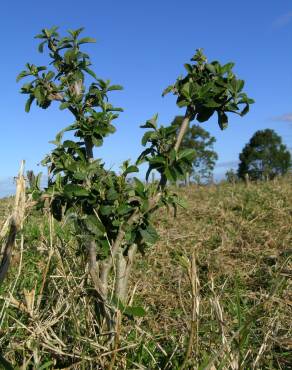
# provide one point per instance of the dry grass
(243, 241)
(216, 288)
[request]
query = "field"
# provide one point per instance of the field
(214, 293)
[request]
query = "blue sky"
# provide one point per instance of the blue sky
(143, 45)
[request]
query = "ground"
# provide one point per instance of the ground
(219, 277)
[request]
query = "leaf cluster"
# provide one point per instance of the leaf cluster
(66, 84)
(101, 203)
(98, 201)
(210, 88)
(160, 153)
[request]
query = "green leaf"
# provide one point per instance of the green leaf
(222, 120)
(46, 365)
(22, 74)
(149, 234)
(186, 153)
(205, 114)
(185, 90)
(146, 137)
(97, 141)
(124, 209)
(41, 68)
(139, 186)
(114, 109)
(212, 104)
(151, 123)
(167, 90)
(94, 225)
(211, 68)
(70, 55)
(76, 33)
(90, 72)
(39, 94)
(115, 87)
(134, 311)
(239, 85)
(143, 156)
(157, 159)
(227, 67)
(106, 210)
(72, 190)
(188, 67)
(112, 194)
(245, 110)
(131, 169)
(181, 102)
(170, 174)
(70, 144)
(50, 75)
(181, 202)
(79, 176)
(64, 105)
(86, 40)
(41, 46)
(28, 103)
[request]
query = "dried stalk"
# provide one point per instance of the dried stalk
(16, 222)
(117, 340)
(194, 282)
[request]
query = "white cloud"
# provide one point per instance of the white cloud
(283, 118)
(230, 164)
(283, 20)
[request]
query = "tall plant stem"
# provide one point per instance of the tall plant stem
(182, 131)
(89, 149)
(180, 136)
(16, 222)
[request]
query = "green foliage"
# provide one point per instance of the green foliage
(98, 201)
(208, 88)
(161, 155)
(109, 215)
(231, 176)
(201, 142)
(264, 157)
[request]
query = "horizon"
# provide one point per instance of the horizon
(144, 47)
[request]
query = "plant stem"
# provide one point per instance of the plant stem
(182, 131)
(89, 149)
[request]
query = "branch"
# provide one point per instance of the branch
(89, 149)
(182, 131)
(123, 269)
(180, 136)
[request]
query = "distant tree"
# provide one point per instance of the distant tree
(202, 142)
(30, 178)
(231, 176)
(264, 157)
(33, 181)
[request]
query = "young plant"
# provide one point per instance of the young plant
(112, 215)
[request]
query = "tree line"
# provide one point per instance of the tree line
(264, 157)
